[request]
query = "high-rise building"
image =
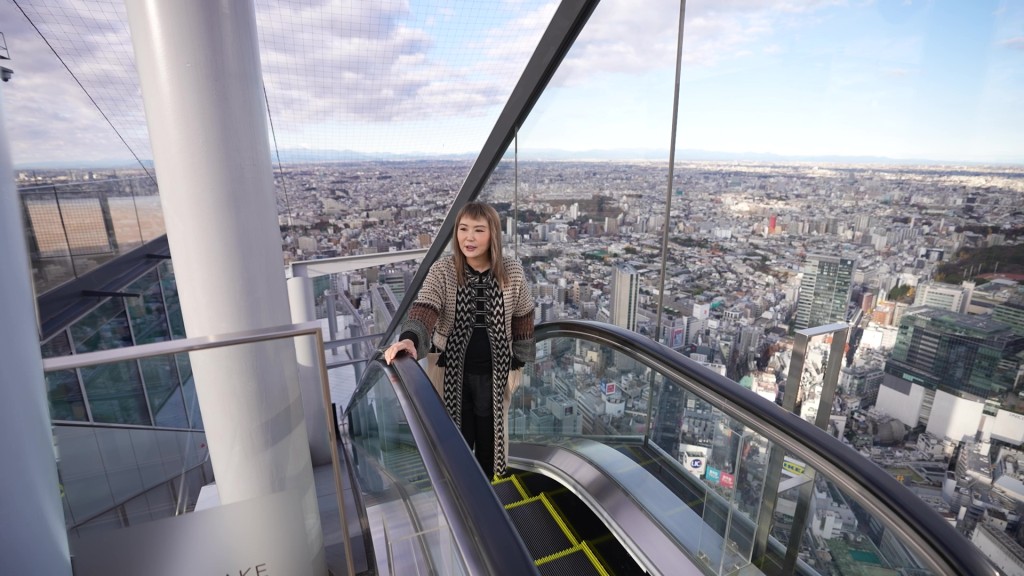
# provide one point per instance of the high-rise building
(397, 279)
(1011, 313)
(942, 296)
(867, 302)
(954, 372)
(625, 292)
(824, 290)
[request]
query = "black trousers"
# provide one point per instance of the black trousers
(478, 419)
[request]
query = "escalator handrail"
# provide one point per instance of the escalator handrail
(930, 537)
(488, 541)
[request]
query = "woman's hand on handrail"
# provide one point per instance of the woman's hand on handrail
(398, 347)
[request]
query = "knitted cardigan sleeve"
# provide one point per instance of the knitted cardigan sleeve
(524, 348)
(428, 307)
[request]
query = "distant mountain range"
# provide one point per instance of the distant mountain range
(304, 156)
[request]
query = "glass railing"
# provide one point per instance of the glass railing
(710, 447)
(118, 476)
(73, 228)
(133, 494)
(429, 505)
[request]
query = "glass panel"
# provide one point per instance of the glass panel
(75, 227)
(51, 260)
(44, 222)
(147, 313)
(147, 208)
(188, 391)
(115, 393)
(63, 391)
(104, 328)
(734, 477)
(171, 302)
(713, 468)
(113, 476)
(593, 170)
(164, 392)
(86, 230)
(400, 501)
(126, 226)
(581, 388)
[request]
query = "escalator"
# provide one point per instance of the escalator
(561, 533)
(607, 493)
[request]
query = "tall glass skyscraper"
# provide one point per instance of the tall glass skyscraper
(952, 372)
(824, 290)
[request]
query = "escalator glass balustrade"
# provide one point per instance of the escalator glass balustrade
(731, 479)
(428, 507)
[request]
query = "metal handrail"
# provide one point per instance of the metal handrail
(193, 344)
(198, 343)
(114, 426)
(50, 188)
(463, 492)
(921, 529)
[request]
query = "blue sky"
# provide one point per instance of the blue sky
(928, 80)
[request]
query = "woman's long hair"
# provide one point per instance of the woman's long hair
(480, 211)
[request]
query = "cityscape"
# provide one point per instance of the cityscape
(795, 226)
(924, 264)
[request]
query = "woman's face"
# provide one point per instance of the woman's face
(474, 239)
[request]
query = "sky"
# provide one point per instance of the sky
(939, 80)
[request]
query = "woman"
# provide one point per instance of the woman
(474, 308)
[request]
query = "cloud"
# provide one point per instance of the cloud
(1014, 43)
(49, 117)
(636, 37)
(325, 63)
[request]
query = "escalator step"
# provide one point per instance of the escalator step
(507, 491)
(575, 563)
(539, 530)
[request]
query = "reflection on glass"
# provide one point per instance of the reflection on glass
(188, 391)
(115, 393)
(578, 388)
(164, 392)
(104, 328)
(580, 391)
(171, 302)
(396, 488)
(75, 227)
(65, 396)
(63, 391)
(147, 312)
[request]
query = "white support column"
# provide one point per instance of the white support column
(199, 70)
(33, 539)
(300, 297)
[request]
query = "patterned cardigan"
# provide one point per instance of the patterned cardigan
(433, 311)
(432, 319)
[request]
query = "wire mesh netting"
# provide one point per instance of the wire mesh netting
(344, 80)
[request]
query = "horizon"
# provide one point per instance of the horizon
(554, 156)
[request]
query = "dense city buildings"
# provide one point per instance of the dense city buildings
(924, 265)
